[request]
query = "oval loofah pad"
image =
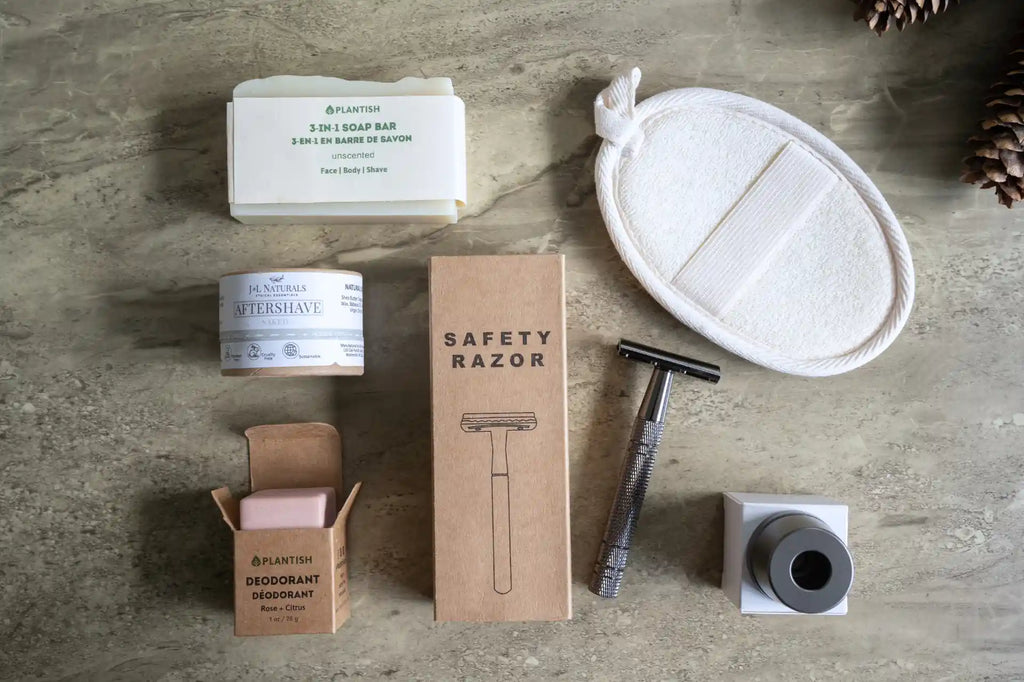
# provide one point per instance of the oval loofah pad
(751, 228)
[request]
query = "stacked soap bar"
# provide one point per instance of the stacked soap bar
(288, 508)
(311, 149)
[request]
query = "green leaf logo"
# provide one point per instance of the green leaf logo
(256, 561)
(330, 110)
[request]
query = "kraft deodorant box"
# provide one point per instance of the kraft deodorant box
(290, 581)
(501, 488)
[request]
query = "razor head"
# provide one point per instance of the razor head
(475, 422)
(670, 361)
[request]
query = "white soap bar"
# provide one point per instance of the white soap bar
(312, 149)
(288, 508)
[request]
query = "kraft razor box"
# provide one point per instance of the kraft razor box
(500, 445)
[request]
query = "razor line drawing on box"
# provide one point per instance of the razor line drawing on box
(498, 425)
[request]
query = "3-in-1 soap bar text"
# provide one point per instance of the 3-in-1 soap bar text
(350, 127)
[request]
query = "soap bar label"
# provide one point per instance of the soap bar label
(291, 319)
(348, 149)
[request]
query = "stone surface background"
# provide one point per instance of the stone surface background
(114, 423)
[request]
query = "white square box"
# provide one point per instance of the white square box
(744, 512)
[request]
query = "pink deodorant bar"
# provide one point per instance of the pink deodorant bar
(288, 508)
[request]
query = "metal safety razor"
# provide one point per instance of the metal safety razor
(639, 461)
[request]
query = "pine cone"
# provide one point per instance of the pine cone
(998, 158)
(882, 15)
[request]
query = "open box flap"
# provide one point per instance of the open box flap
(294, 456)
(228, 506)
(347, 507)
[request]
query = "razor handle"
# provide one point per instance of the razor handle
(501, 513)
(501, 527)
(634, 477)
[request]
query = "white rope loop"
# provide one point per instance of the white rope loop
(615, 112)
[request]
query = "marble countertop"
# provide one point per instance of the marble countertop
(115, 424)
